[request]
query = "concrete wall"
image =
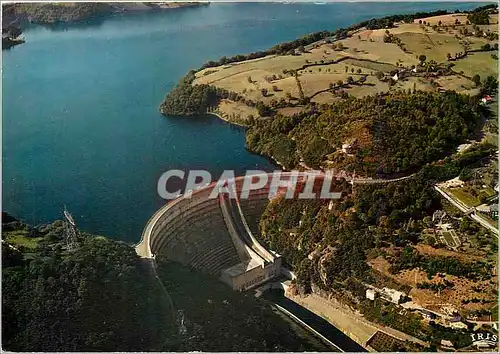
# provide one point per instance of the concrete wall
(256, 276)
(194, 233)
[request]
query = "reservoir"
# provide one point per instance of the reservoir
(81, 125)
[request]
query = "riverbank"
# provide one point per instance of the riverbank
(9, 42)
(314, 322)
(226, 120)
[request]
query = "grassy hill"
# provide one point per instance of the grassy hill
(415, 52)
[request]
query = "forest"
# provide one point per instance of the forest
(480, 15)
(102, 297)
(374, 216)
(90, 300)
(187, 100)
(329, 246)
(389, 134)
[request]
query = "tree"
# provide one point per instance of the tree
(379, 75)
(340, 83)
(359, 71)
(346, 68)
(486, 47)
(350, 80)
(302, 49)
(490, 86)
(422, 58)
(352, 70)
(477, 79)
(249, 78)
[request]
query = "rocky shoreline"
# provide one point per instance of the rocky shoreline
(11, 37)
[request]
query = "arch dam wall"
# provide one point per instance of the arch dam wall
(214, 235)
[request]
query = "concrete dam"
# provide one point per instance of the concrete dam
(218, 235)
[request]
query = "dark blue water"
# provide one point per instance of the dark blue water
(81, 125)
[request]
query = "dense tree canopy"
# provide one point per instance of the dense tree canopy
(103, 297)
(187, 99)
(99, 298)
(389, 134)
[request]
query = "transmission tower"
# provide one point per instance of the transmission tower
(70, 230)
(182, 327)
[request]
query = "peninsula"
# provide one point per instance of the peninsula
(47, 13)
(435, 57)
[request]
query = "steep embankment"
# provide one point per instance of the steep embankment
(101, 296)
(98, 297)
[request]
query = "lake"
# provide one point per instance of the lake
(81, 126)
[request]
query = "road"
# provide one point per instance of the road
(314, 323)
(467, 210)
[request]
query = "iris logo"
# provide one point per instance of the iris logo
(484, 339)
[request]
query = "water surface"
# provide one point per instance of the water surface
(81, 125)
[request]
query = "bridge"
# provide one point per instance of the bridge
(220, 235)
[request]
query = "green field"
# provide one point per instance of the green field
(464, 197)
(20, 238)
(477, 63)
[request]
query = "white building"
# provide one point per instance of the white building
(371, 294)
(346, 148)
(458, 325)
(392, 295)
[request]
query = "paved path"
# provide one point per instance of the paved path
(470, 211)
(379, 180)
(356, 325)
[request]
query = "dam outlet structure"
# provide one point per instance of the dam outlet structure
(218, 236)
